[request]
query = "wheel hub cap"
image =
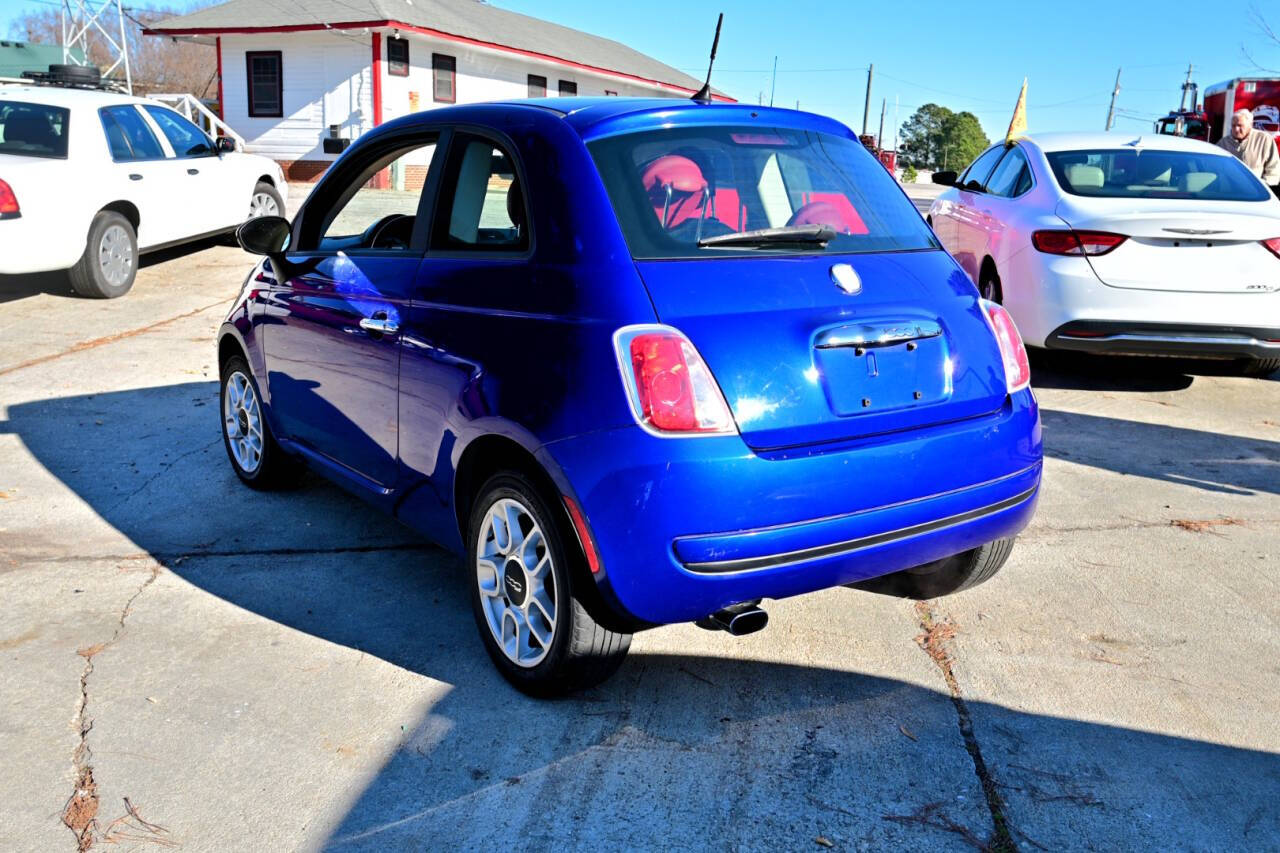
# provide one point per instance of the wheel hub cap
(515, 583)
(242, 422)
(514, 572)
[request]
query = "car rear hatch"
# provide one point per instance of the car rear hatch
(801, 360)
(1214, 248)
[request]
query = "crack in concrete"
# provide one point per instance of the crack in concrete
(164, 469)
(108, 339)
(81, 811)
(934, 643)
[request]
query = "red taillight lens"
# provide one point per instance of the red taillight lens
(1017, 367)
(670, 387)
(584, 534)
(8, 201)
(1273, 245)
(1076, 242)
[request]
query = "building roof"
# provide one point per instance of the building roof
(468, 21)
(19, 56)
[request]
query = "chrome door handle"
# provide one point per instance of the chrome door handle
(193, 171)
(379, 325)
(135, 177)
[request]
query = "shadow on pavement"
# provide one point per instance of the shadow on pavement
(1077, 371)
(675, 751)
(15, 287)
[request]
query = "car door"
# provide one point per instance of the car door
(472, 296)
(997, 206)
(333, 325)
(208, 199)
(967, 215)
(141, 173)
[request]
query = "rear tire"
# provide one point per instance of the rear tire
(1260, 367)
(109, 264)
(943, 577)
(512, 597)
(257, 459)
(989, 285)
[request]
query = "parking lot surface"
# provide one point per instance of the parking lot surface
(187, 662)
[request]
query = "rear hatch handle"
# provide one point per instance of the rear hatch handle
(870, 335)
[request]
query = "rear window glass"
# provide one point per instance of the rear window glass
(33, 130)
(1139, 173)
(673, 188)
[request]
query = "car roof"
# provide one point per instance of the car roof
(599, 116)
(63, 96)
(1080, 141)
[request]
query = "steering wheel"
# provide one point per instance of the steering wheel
(391, 232)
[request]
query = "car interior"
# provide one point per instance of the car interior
(32, 130)
(1166, 174)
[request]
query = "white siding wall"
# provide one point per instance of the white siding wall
(328, 80)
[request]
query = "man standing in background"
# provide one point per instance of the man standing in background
(1255, 148)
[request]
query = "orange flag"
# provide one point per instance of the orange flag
(1018, 126)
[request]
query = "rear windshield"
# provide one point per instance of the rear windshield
(33, 130)
(672, 188)
(1135, 173)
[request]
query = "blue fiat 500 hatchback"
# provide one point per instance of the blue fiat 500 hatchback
(642, 362)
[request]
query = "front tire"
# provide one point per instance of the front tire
(943, 577)
(532, 622)
(265, 201)
(258, 461)
(109, 264)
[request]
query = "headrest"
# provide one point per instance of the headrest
(515, 204)
(679, 173)
(820, 213)
(1194, 182)
(1081, 176)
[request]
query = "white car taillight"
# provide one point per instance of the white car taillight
(1017, 367)
(670, 388)
(9, 208)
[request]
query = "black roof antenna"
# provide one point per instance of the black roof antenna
(703, 95)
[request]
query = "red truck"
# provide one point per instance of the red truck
(1258, 95)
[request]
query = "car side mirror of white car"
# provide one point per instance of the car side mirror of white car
(224, 145)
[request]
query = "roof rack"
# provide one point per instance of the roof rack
(72, 77)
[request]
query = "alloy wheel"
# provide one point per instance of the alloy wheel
(263, 204)
(515, 576)
(242, 422)
(115, 255)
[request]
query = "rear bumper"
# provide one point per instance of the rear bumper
(688, 526)
(27, 246)
(1168, 339)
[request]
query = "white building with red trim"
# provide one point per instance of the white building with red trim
(296, 77)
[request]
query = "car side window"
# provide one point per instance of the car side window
(1012, 177)
(482, 205)
(975, 177)
(377, 208)
(128, 136)
(187, 139)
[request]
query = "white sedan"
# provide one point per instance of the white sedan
(1152, 245)
(89, 179)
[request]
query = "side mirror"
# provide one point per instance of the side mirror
(224, 144)
(947, 178)
(264, 235)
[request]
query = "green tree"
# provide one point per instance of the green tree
(936, 138)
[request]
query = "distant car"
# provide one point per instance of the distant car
(642, 362)
(1107, 243)
(91, 179)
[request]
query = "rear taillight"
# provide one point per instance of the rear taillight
(670, 388)
(1273, 245)
(1017, 367)
(1076, 242)
(8, 202)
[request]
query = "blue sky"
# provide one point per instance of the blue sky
(963, 56)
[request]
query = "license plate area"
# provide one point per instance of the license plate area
(876, 379)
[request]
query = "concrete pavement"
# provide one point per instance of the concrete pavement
(188, 662)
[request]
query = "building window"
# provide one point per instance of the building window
(611, 93)
(398, 57)
(445, 69)
(266, 83)
(568, 89)
(537, 86)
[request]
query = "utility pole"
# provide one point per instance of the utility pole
(880, 136)
(866, 107)
(1186, 87)
(895, 123)
(1111, 112)
(773, 82)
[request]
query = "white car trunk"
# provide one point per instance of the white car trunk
(1200, 246)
